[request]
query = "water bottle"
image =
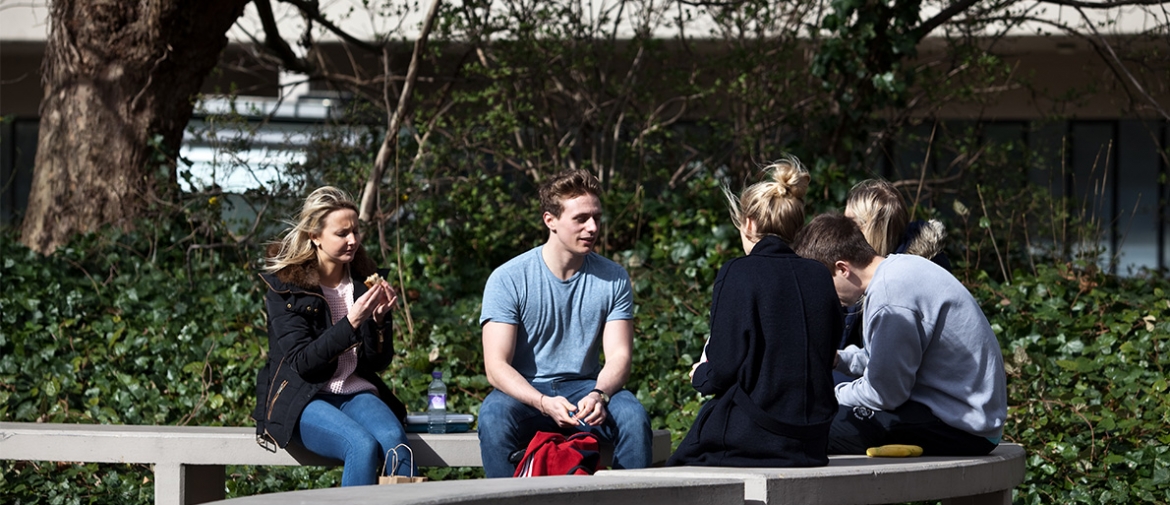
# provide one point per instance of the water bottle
(437, 404)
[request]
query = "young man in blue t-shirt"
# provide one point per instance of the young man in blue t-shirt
(930, 372)
(546, 314)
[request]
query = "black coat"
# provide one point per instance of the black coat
(775, 319)
(303, 346)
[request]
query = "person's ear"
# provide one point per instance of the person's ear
(749, 227)
(842, 268)
(549, 221)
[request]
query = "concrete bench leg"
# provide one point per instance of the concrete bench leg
(178, 484)
(993, 498)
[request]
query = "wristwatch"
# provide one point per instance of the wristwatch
(604, 397)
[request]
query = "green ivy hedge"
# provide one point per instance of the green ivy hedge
(118, 329)
(1086, 356)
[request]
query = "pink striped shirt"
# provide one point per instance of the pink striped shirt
(344, 382)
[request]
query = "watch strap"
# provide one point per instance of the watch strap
(604, 397)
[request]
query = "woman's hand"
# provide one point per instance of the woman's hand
(366, 305)
(391, 301)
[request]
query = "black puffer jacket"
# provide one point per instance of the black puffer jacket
(303, 346)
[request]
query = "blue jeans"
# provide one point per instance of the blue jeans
(357, 429)
(507, 425)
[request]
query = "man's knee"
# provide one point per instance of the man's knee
(853, 430)
(500, 425)
(628, 412)
(500, 414)
(633, 441)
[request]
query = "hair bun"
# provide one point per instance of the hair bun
(791, 179)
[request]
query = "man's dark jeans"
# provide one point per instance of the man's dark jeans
(856, 429)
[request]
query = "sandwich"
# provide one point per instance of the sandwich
(373, 279)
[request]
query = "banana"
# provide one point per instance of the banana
(894, 451)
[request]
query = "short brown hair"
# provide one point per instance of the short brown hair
(832, 237)
(565, 185)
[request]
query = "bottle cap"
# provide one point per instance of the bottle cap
(438, 374)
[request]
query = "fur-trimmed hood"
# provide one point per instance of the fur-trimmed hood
(923, 238)
(307, 276)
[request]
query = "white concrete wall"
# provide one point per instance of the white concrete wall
(25, 20)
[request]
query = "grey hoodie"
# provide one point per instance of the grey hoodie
(926, 339)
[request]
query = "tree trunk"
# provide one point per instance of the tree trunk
(119, 81)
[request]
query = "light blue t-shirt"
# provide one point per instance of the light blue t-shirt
(558, 323)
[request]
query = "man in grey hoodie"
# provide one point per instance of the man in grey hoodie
(930, 372)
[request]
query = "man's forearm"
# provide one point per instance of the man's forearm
(618, 346)
(613, 376)
(510, 382)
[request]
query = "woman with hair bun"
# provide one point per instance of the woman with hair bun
(775, 318)
(329, 337)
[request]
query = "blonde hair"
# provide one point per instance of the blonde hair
(296, 246)
(880, 212)
(776, 206)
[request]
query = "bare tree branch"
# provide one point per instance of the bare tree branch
(1102, 5)
(311, 10)
(1105, 51)
(390, 142)
(943, 16)
(1119, 68)
(701, 3)
(275, 42)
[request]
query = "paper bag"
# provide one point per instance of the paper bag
(397, 479)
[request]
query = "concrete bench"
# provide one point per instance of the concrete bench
(848, 480)
(189, 461)
(578, 490)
